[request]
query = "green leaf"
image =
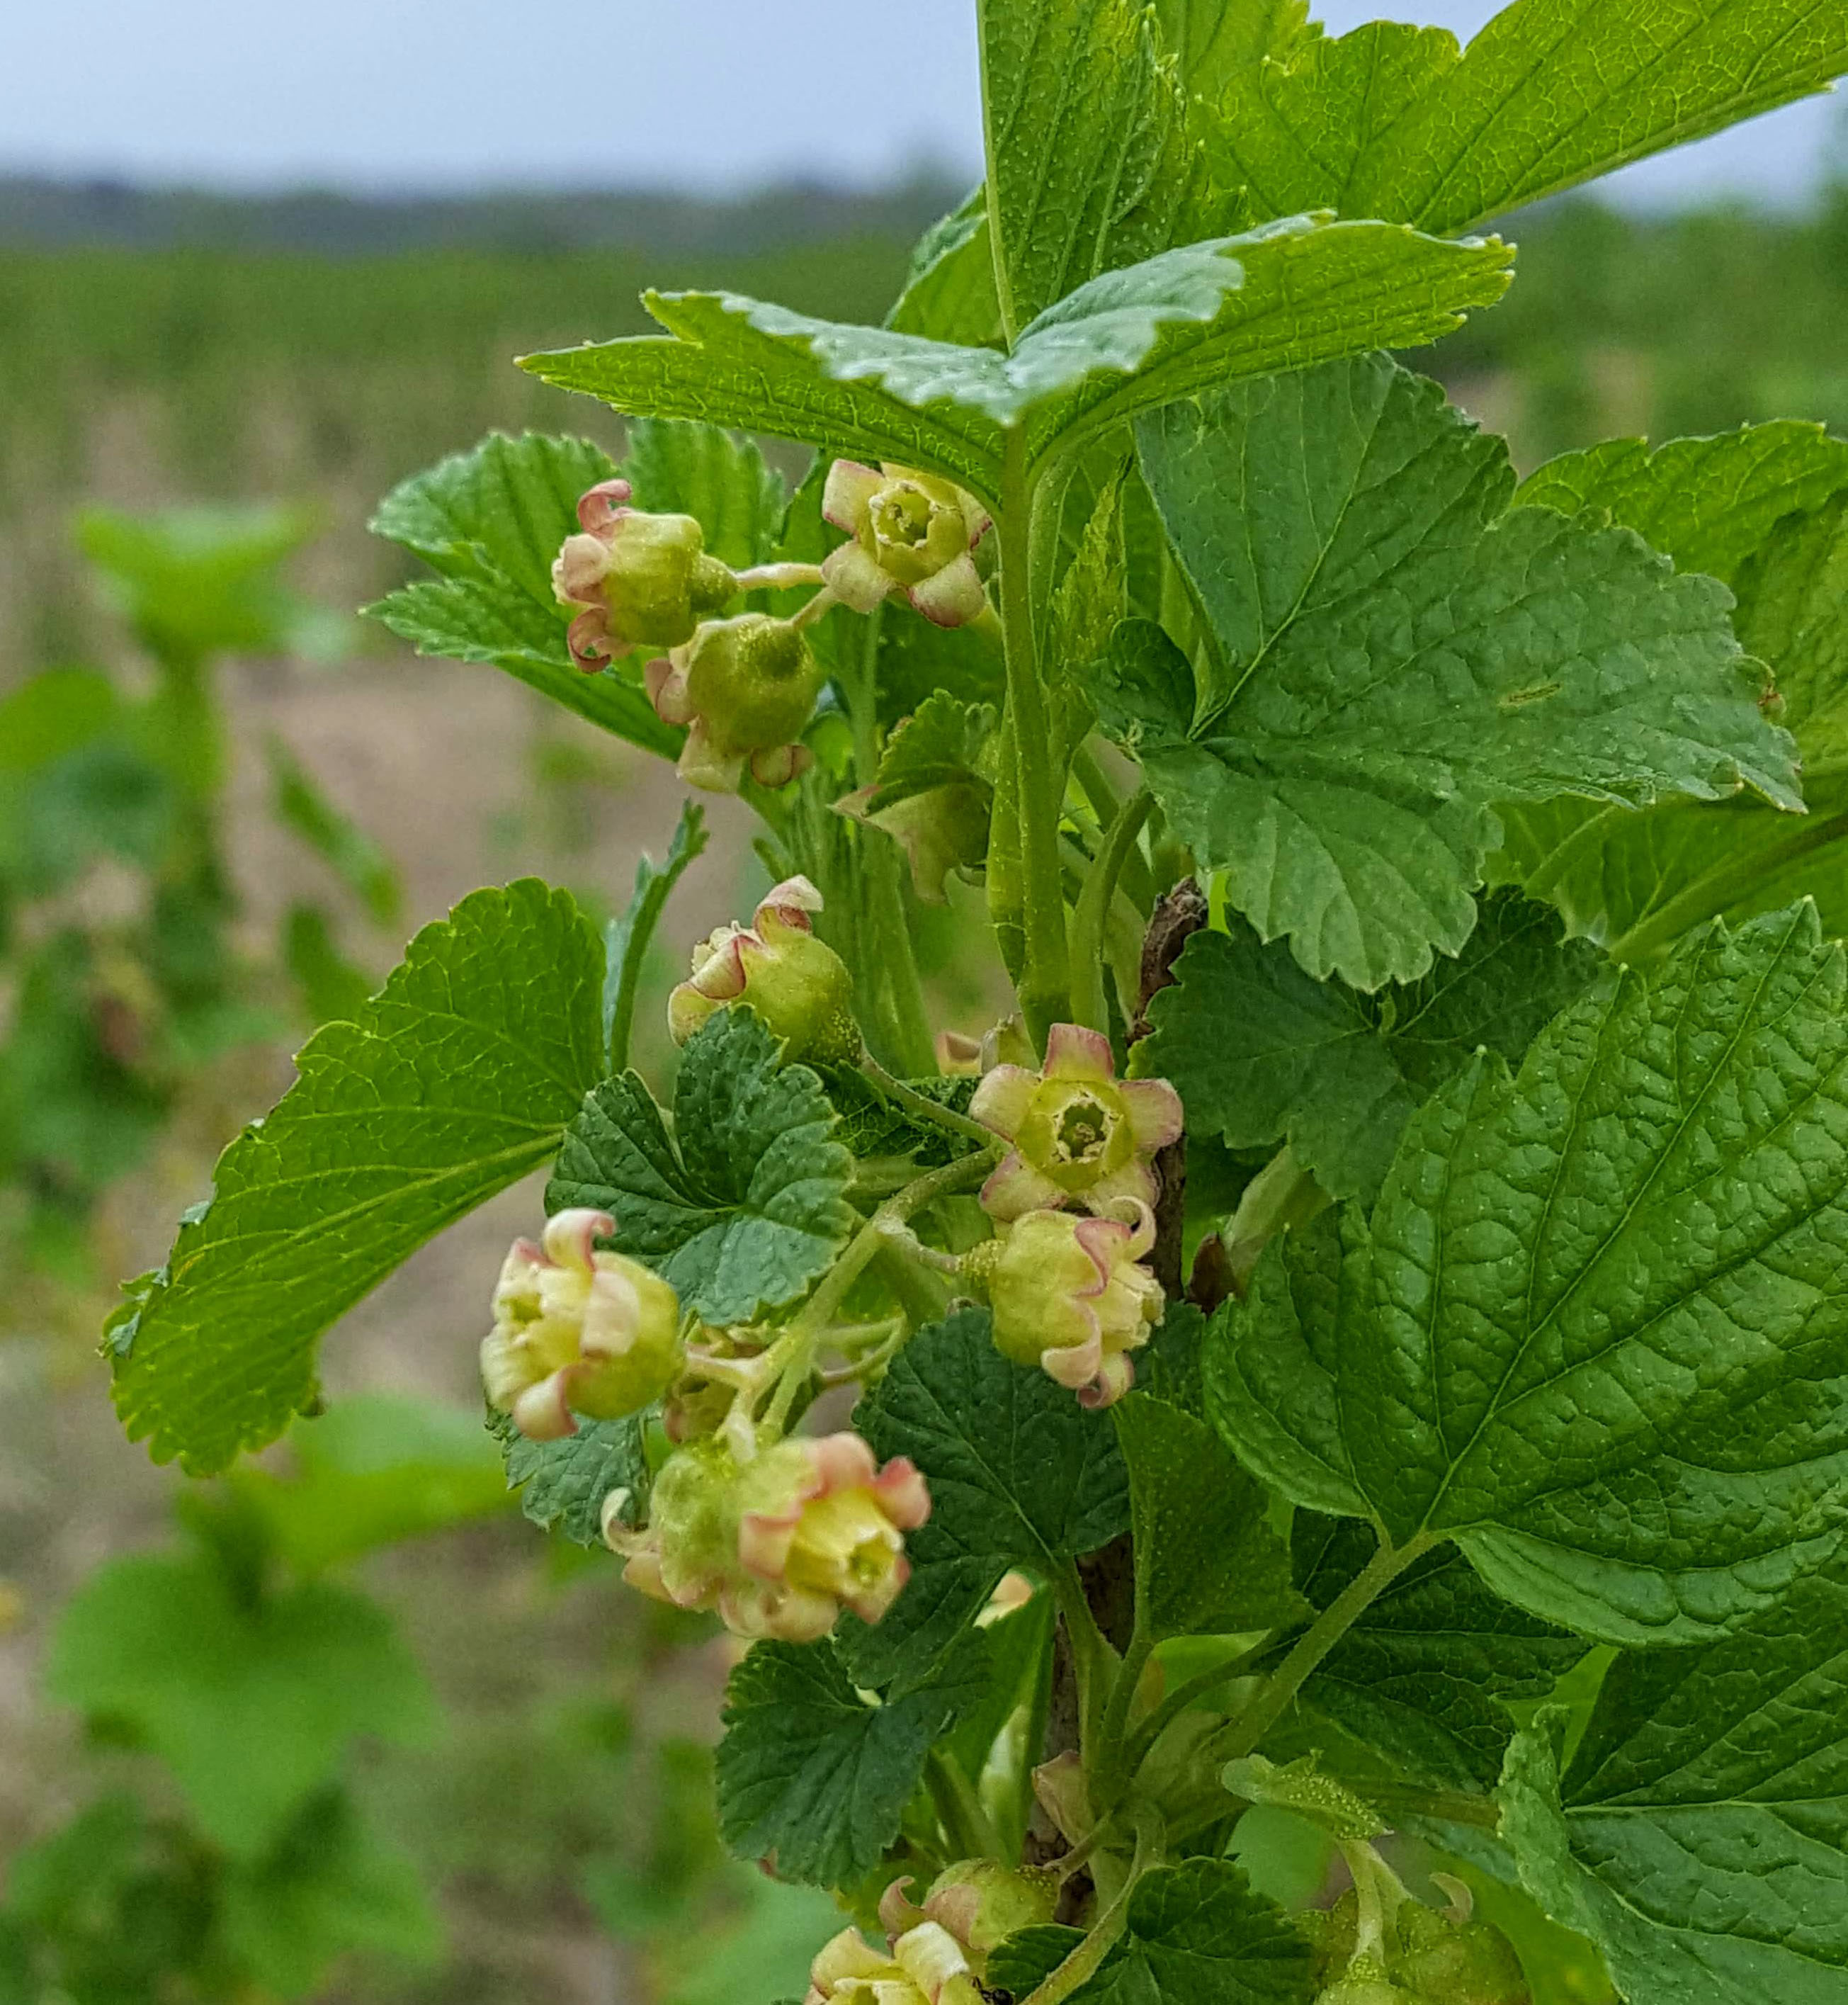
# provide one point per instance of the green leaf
(1027, 1957)
(253, 1705)
(1422, 1674)
(626, 940)
(1020, 1476)
(1337, 1073)
(331, 1886)
(1635, 881)
(720, 480)
(945, 744)
(870, 1124)
(1700, 1836)
(1397, 652)
(331, 989)
(456, 1080)
(1208, 1562)
(1215, 43)
(1595, 1333)
(374, 1471)
(746, 1205)
(1396, 121)
(949, 291)
(299, 803)
(1091, 165)
(1282, 298)
(1198, 1934)
(563, 1484)
(489, 522)
(812, 1770)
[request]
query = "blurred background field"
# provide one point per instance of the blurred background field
(159, 350)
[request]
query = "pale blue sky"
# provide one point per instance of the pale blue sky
(455, 94)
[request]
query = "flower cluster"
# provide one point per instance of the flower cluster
(779, 1545)
(798, 984)
(577, 1331)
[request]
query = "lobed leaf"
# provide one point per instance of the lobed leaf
(459, 1077)
(745, 1205)
(1395, 653)
(562, 1484)
(1596, 1331)
(1199, 1934)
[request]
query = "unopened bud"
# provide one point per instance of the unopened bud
(797, 984)
(1069, 1294)
(643, 581)
(744, 688)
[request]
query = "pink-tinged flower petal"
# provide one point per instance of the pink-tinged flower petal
(701, 764)
(1141, 1239)
(597, 506)
(1156, 1117)
(1115, 1376)
(855, 578)
(643, 1574)
(871, 1604)
(664, 678)
(571, 1236)
(1074, 1052)
(792, 901)
(1107, 1242)
(1133, 1184)
(612, 1316)
(954, 597)
(1015, 1188)
(958, 1056)
(588, 639)
(1002, 1099)
(849, 490)
(579, 569)
(543, 1412)
(721, 976)
(978, 518)
(531, 1250)
(840, 1462)
(897, 1912)
(1076, 1364)
(764, 1539)
(903, 1495)
(956, 1908)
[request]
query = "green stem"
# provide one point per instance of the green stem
(1186, 1693)
(1082, 1964)
(1088, 998)
(1112, 1748)
(965, 1823)
(932, 1113)
(1095, 783)
(1044, 981)
(1274, 1697)
(1091, 1655)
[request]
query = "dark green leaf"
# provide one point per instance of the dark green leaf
(1020, 1475)
(1198, 1935)
(749, 1205)
(1397, 652)
(949, 291)
(811, 1770)
(1261, 1054)
(457, 1079)
(870, 1124)
(626, 940)
(563, 1484)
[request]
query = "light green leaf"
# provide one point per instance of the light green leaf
(301, 806)
(332, 1885)
(626, 940)
(945, 743)
(1699, 1835)
(1215, 43)
(1198, 1934)
(715, 476)
(253, 1705)
(746, 1205)
(490, 522)
(1396, 121)
(1397, 653)
(1295, 293)
(1208, 1562)
(1091, 165)
(811, 1769)
(332, 988)
(1598, 1333)
(1337, 1073)
(949, 291)
(562, 1484)
(1020, 1476)
(1422, 1675)
(457, 1079)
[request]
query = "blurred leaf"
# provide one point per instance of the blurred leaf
(765, 1955)
(335, 838)
(333, 989)
(253, 1704)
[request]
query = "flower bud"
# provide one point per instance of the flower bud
(1463, 1963)
(744, 688)
(910, 533)
(821, 1528)
(924, 1966)
(1365, 1982)
(643, 581)
(687, 1555)
(577, 1330)
(1079, 1133)
(798, 984)
(981, 1902)
(1068, 1295)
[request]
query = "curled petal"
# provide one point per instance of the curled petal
(1015, 1188)
(721, 975)
(855, 578)
(777, 765)
(702, 765)
(1075, 1365)
(543, 1412)
(571, 1236)
(580, 567)
(850, 488)
(1133, 1184)
(958, 1056)
(931, 1957)
(597, 506)
(1156, 1117)
(953, 597)
(897, 1911)
(588, 639)
(1107, 1241)
(903, 1495)
(792, 901)
(664, 678)
(1115, 1376)
(840, 1462)
(1001, 1100)
(1074, 1052)
(764, 1539)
